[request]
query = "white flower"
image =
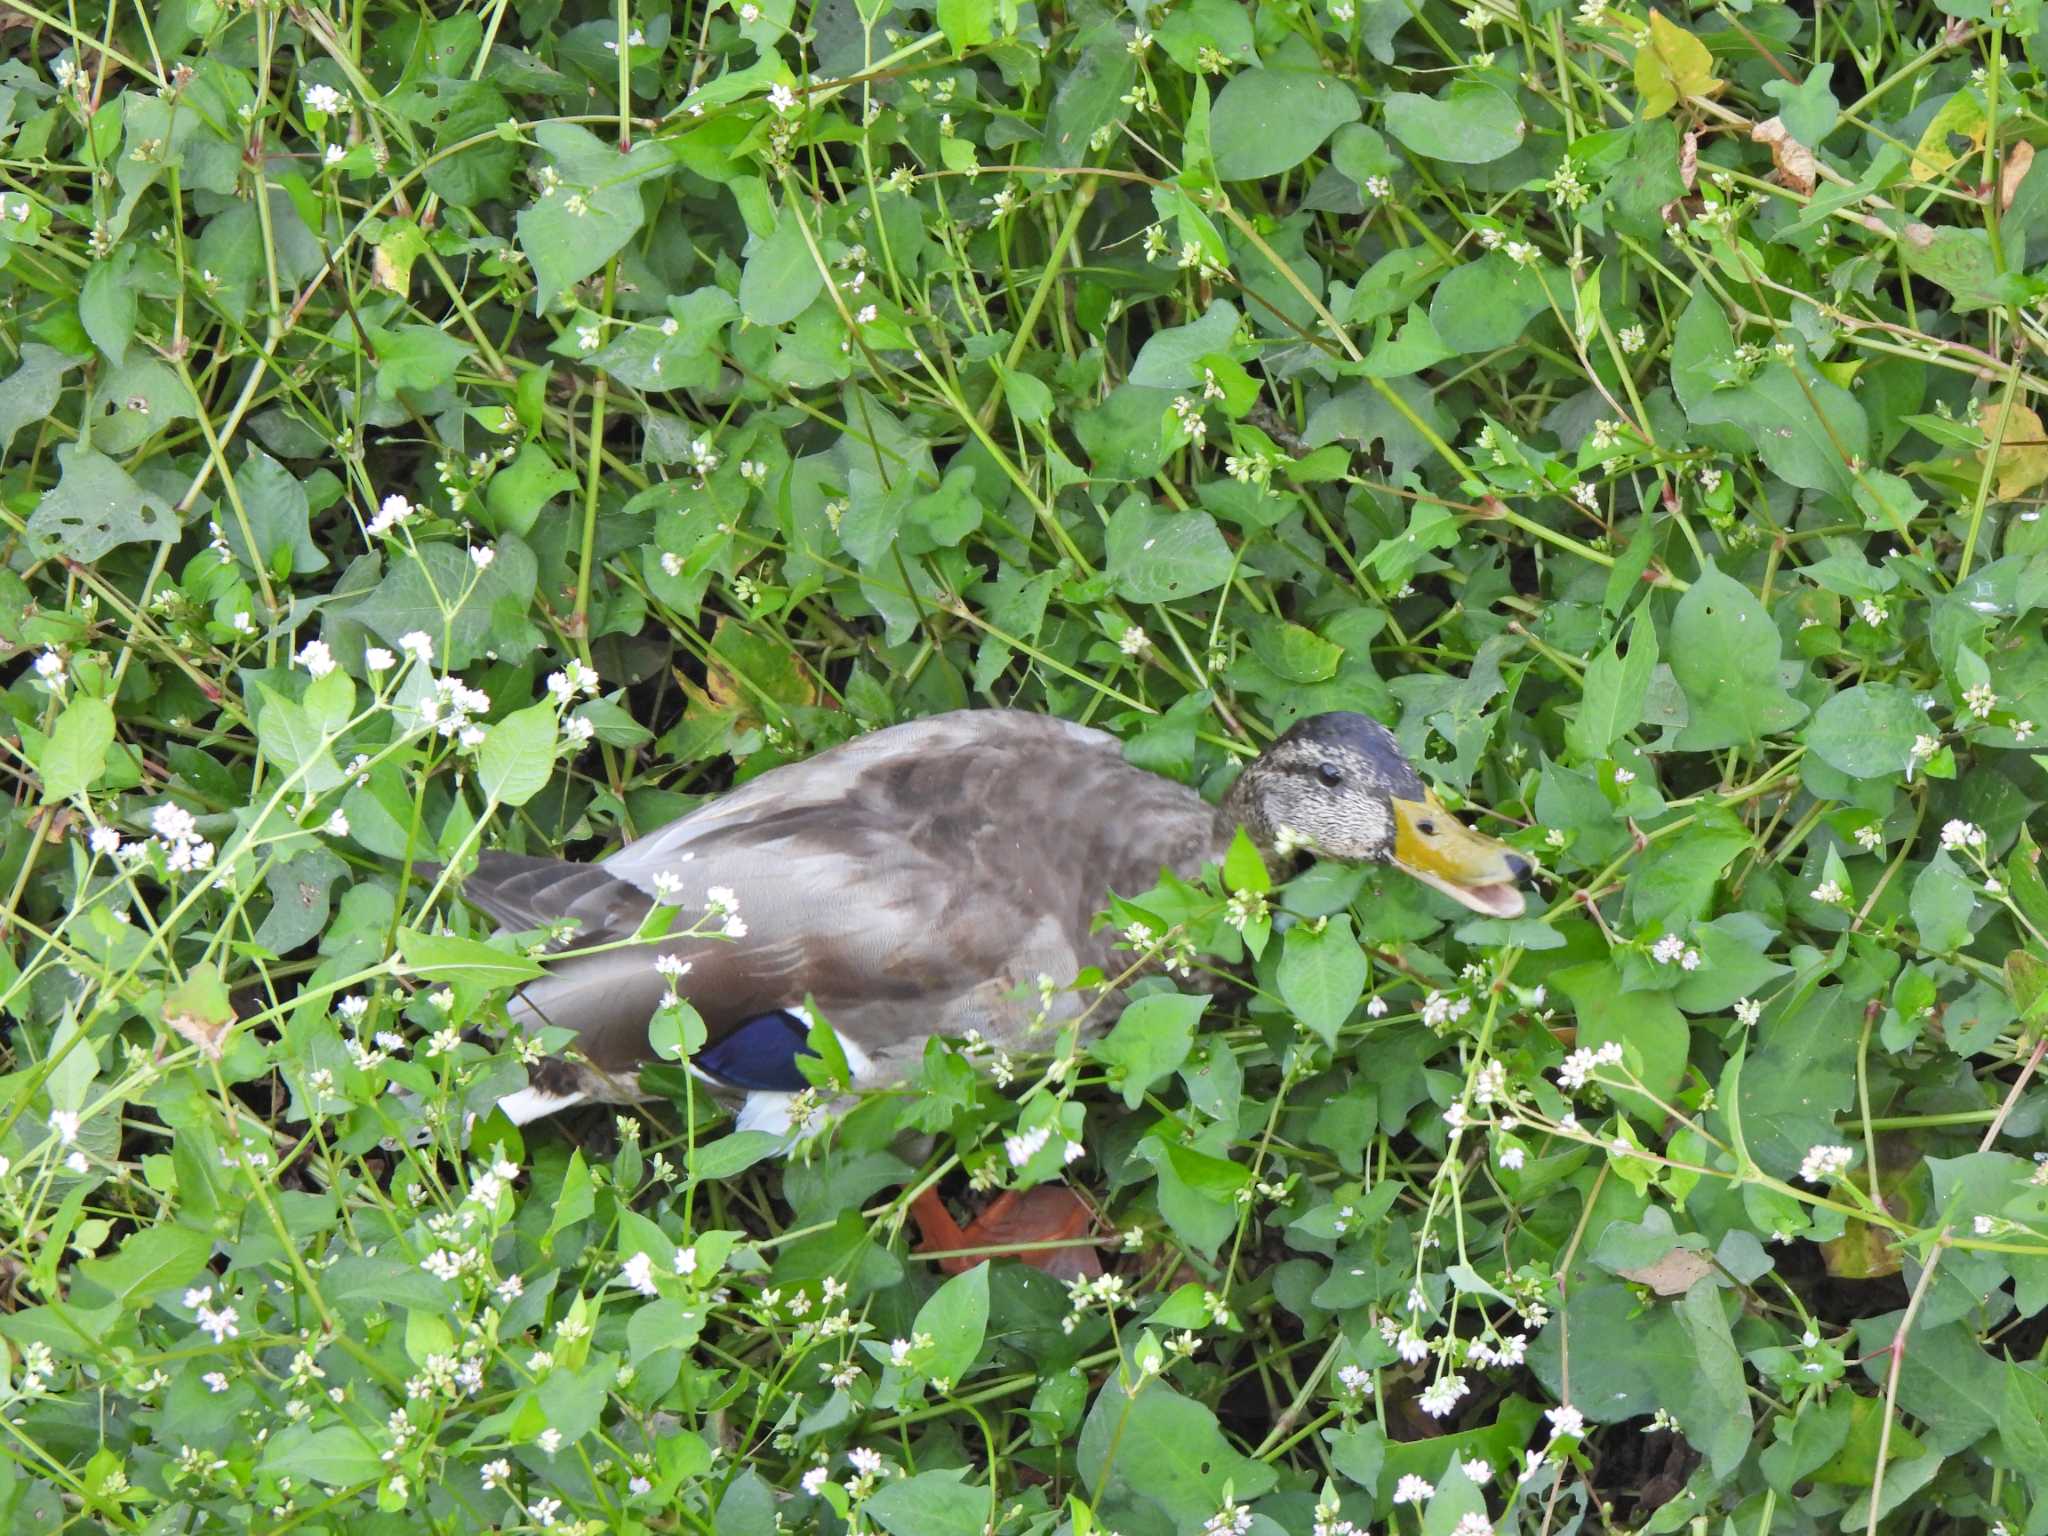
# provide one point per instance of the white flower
(221, 1324)
(1474, 1523)
(1582, 1063)
(1667, 949)
(1441, 1395)
(782, 98)
(1980, 700)
(866, 1462)
(50, 669)
(324, 98)
(1822, 1163)
(814, 1481)
(550, 1440)
(1565, 1420)
(1134, 642)
(417, 644)
(1512, 1158)
(1624, 775)
(1689, 961)
(394, 510)
(481, 555)
(1829, 893)
(1354, 1378)
(337, 824)
(1961, 834)
(1747, 1011)
(1870, 838)
(1478, 1470)
(1412, 1346)
(377, 659)
(638, 1272)
(1413, 1490)
(1024, 1146)
(686, 1260)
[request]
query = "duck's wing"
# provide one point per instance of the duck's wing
(909, 880)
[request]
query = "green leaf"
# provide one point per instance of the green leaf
(1149, 1042)
(1802, 1077)
(1470, 124)
(517, 757)
(1612, 700)
(1243, 867)
(439, 592)
(419, 358)
(107, 304)
(1867, 731)
(1808, 109)
(76, 752)
(1724, 653)
(1157, 556)
(333, 1456)
(931, 1503)
(278, 510)
(1943, 899)
(1717, 1418)
(1166, 1450)
(446, 957)
(1653, 1035)
(2023, 1423)
(967, 23)
(1488, 303)
(732, 1155)
(1170, 358)
(585, 218)
(1323, 974)
(781, 276)
(295, 742)
(517, 492)
(96, 507)
(1265, 121)
(31, 392)
(150, 1260)
(956, 1317)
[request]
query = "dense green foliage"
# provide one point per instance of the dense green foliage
(443, 426)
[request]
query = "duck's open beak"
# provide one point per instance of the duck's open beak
(1475, 871)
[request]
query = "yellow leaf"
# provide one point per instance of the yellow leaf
(2022, 448)
(1962, 114)
(1672, 66)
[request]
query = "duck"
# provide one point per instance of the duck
(925, 879)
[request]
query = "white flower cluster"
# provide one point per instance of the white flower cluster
(1822, 1163)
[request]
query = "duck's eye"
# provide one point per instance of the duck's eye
(1330, 774)
(1426, 828)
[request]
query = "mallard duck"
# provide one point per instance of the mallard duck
(918, 881)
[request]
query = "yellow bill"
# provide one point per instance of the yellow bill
(1442, 852)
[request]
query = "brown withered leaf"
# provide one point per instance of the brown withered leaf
(2018, 161)
(1797, 167)
(1674, 1274)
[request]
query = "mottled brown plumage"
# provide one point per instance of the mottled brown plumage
(919, 880)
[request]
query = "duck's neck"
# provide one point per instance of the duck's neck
(1241, 808)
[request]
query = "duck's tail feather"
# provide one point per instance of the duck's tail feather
(534, 1102)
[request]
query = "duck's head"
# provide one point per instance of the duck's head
(1337, 785)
